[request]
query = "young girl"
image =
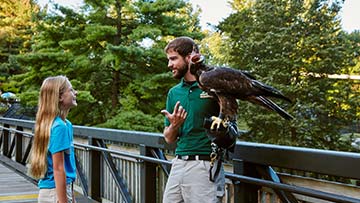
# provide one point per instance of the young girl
(52, 157)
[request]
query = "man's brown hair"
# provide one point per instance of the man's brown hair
(182, 45)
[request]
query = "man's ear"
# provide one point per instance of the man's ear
(188, 58)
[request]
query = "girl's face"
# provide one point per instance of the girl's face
(68, 98)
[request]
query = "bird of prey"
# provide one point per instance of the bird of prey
(227, 85)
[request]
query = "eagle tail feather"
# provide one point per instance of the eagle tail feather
(270, 91)
(271, 105)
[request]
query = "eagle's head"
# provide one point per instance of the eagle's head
(197, 64)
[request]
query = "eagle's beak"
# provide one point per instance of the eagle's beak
(201, 59)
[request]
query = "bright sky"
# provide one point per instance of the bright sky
(351, 15)
(214, 11)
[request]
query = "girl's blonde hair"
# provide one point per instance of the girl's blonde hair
(48, 108)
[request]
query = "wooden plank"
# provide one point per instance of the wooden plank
(16, 188)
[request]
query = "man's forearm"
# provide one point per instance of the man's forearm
(171, 133)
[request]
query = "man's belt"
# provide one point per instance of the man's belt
(193, 157)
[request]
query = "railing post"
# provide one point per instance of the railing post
(18, 145)
(243, 192)
(95, 172)
(149, 192)
(6, 138)
(27, 151)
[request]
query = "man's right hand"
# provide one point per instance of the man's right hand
(176, 119)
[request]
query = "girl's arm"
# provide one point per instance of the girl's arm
(60, 176)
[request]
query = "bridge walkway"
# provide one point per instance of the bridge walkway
(16, 188)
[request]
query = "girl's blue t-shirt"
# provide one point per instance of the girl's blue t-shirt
(61, 140)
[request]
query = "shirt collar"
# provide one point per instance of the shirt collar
(183, 83)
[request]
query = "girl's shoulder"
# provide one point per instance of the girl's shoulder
(58, 122)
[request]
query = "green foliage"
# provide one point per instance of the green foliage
(15, 33)
(3, 108)
(294, 46)
(215, 48)
(148, 90)
(29, 98)
(101, 50)
(135, 120)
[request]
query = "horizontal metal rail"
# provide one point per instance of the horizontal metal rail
(136, 156)
(295, 189)
(17, 131)
(337, 163)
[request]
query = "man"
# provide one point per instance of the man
(190, 180)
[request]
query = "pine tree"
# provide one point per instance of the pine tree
(113, 52)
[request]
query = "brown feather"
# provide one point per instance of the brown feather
(229, 84)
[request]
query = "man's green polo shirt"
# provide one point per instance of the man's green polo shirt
(192, 138)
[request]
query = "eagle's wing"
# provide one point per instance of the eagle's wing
(238, 83)
(270, 105)
(225, 81)
(222, 82)
(266, 90)
(229, 84)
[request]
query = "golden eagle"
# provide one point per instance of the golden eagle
(227, 85)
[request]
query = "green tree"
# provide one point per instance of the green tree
(15, 33)
(294, 46)
(113, 52)
(50, 56)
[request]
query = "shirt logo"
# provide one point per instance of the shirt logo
(204, 95)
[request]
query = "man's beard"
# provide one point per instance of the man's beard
(181, 72)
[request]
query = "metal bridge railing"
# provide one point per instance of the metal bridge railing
(131, 166)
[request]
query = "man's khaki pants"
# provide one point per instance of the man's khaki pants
(189, 182)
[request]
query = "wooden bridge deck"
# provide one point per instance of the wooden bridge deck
(15, 188)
